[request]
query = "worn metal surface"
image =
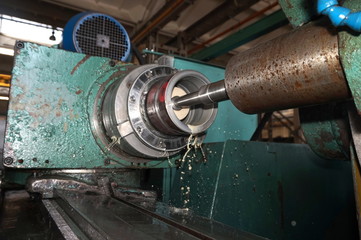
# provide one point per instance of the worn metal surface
(123, 177)
(355, 126)
(279, 191)
(326, 130)
(185, 219)
(64, 228)
(2, 139)
(350, 53)
(111, 218)
(46, 186)
(55, 96)
(22, 218)
(229, 123)
(356, 173)
(296, 69)
(133, 194)
(249, 33)
(299, 12)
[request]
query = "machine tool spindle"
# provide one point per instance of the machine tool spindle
(207, 94)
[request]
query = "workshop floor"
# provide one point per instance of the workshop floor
(22, 218)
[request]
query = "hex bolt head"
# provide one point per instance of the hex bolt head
(8, 160)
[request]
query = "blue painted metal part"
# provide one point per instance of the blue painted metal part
(340, 16)
(70, 42)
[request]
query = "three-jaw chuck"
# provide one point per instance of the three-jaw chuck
(137, 114)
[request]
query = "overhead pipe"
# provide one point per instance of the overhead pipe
(248, 19)
(240, 37)
(226, 10)
(138, 37)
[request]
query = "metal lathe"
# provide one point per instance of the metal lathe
(112, 150)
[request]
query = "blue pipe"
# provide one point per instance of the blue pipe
(339, 16)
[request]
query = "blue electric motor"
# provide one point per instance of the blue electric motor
(96, 34)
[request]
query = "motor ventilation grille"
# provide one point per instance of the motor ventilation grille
(97, 35)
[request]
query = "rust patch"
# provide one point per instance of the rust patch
(326, 136)
(78, 92)
(298, 85)
(79, 63)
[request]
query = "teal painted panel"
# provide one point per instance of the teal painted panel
(52, 105)
(299, 12)
(248, 186)
(201, 180)
(350, 54)
(230, 123)
(278, 191)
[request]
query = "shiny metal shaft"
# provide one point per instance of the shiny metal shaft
(208, 94)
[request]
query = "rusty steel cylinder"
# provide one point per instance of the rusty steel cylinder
(297, 69)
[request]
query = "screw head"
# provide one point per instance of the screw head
(112, 63)
(8, 160)
(19, 44)
(106, 161)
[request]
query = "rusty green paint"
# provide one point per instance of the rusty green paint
(51, 104)
(350, 54)
(326, 130)
(299, 12)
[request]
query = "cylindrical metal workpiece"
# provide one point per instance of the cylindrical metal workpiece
(165, 118)
(297, 69)
(207, 94)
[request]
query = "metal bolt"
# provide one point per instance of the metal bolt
(112, 63)
(177, 162)
(132, 98)
(8, 160)
(19, 44)
(139, 129)
(106, 161)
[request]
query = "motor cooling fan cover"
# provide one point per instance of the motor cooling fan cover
(96, 34)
